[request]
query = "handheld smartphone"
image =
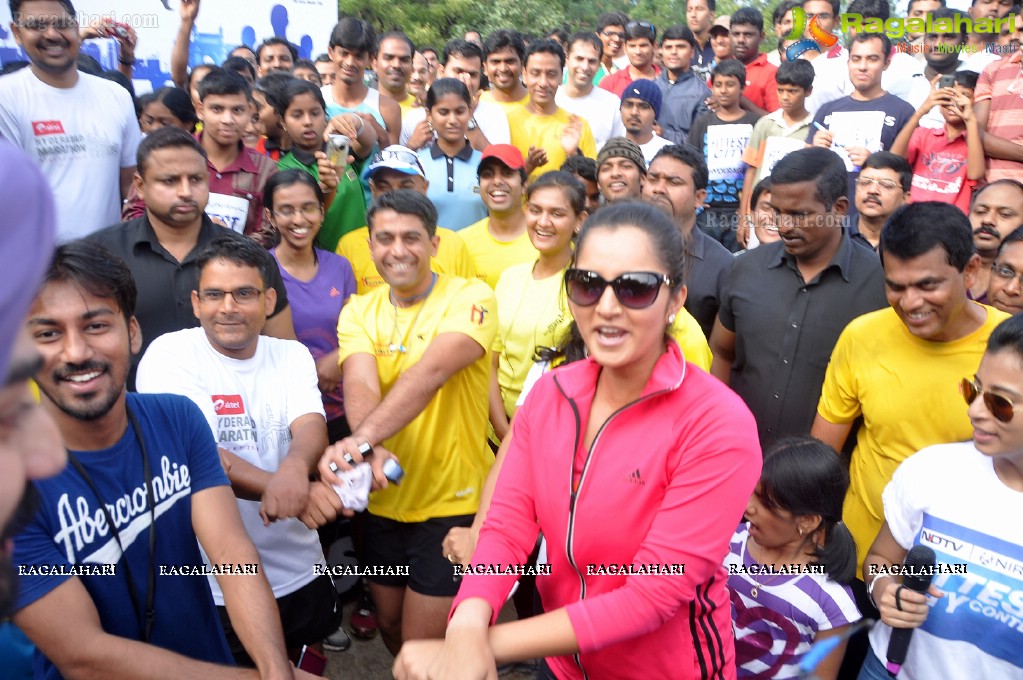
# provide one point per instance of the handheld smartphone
(946, 82)
(337, 151)
(311, 661)
(116, 29)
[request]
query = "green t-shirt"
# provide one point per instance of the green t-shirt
(347, 212)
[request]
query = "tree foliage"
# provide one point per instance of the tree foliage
(434, 22)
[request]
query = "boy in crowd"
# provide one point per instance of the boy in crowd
(947, 161)
(683, 91)
(726, 174)
(640, 46)
(641, 105)
(790, 122)
(761, 93)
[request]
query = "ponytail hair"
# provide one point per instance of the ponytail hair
(804, 476)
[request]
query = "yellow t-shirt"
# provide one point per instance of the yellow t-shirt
(488, 96)
(489, 256)
(452, 258)
(407, 104)
(444, 449)
(531, 314)
(533, 129)
(907, 391)
(691, 340)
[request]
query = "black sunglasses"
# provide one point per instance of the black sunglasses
(635, 290)
(1000, 407)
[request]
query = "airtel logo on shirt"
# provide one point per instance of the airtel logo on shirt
(47, 127)
(228, 404)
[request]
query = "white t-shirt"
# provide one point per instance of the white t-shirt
(250, 405)
(651, 148)
(81, 137)
(600, 108)
(948, 497)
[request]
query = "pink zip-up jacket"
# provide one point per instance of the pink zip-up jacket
(663, 484)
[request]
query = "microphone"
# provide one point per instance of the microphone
(917, 572)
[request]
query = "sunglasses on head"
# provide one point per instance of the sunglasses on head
(635, 290)
(1000, 407)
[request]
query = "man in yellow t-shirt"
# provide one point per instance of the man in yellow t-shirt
(899, 367)
(543, 132)
(398, 167)
(415, 356)
(500, 240)
(504, 54)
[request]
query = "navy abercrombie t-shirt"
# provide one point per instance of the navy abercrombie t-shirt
(71, 529)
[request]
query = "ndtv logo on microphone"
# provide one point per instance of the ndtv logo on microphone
(228, 404)
(47, 127)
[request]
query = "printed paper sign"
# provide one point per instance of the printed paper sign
(725, 144)
(855, 128)
(777, 148)
(231, 210)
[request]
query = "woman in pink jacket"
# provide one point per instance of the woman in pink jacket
(635, 466)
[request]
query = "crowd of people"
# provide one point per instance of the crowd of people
(681, 345)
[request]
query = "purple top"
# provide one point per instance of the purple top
(315, 307)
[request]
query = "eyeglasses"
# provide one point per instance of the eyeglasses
(242, 296)
(635, 290)
(867, 182)
(38, 25)
(635, 29)
(1004, 271)
(824, 16)
(310, 210)
(613, 34)
(1000, 407)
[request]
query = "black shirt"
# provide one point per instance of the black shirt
(707, 264)
(165, 285)
(785, 329)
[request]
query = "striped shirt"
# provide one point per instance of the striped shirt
(1002, 84)
(776, 617)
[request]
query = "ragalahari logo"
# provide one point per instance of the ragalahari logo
(819, 40)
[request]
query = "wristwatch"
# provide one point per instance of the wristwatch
(472, 123)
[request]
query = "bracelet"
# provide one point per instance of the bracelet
(126, 62)
(870, 587)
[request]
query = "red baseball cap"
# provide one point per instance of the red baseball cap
(506, 153)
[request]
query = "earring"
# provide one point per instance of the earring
(671, 319)
(800, 532)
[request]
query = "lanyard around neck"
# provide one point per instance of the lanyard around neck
(145, 616)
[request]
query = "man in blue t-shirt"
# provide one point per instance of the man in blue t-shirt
(875, 117)
(110, 560)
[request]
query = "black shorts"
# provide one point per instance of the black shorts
(308, 615)
(419, 545)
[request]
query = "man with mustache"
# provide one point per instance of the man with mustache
(883, 186)
(30, 446)
(111, 573)
(996, 211)
(81, 130)
(161, 246)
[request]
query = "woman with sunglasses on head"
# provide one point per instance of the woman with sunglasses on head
(964, 501)
(632, 463)
(318, 282)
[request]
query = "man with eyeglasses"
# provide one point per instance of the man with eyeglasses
(996, 210)
(80, 129)
(611, 31)
(640, 48)
(161, 246)
(415, 358)
(882, 187)
(1005, 290)
(773, 349)
(260, 399)
(898, 367)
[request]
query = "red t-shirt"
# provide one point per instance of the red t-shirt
(939, 168)
(761, 87)
(619, 80)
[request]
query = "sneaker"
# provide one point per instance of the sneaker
(338, 641)
(364, 618)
